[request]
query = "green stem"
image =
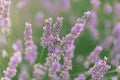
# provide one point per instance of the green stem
(41, 54)
(112, 71)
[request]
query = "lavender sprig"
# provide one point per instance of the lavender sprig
(68, 47)
(16, 59)
(5, 22)
(30, 51)
(93, 57)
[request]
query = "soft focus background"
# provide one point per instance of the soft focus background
(29, 10)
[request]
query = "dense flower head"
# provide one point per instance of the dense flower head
(30, 51)
(99, 69)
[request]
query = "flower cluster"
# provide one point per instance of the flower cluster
(61, 48)
(5, 22)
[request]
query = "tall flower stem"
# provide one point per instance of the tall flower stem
(41, 55)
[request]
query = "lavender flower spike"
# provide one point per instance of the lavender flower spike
(99, 69)
(93, 57)
(68, 47)
(50, 39)
(30, 51)
(47, 33)
(5, 22)
(15, 60)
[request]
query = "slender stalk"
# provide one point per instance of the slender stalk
(41, 54)
(112, 71)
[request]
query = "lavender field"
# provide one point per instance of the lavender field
(59, 39)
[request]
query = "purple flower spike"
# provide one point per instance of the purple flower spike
(68, 47)
(5, 22)
(93, 57)
(30, 51)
